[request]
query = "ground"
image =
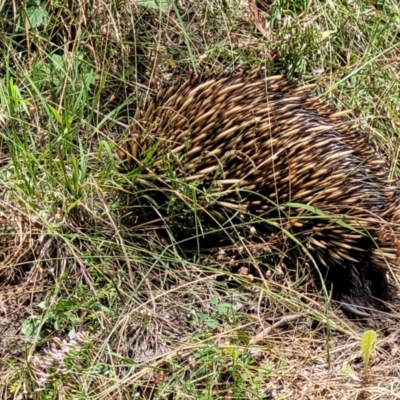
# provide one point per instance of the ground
(95, 303)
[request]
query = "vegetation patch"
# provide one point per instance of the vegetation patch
(100, 303)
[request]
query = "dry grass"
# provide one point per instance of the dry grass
(94, 308)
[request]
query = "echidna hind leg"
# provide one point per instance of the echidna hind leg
(367, 287)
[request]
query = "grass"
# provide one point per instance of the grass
(96, 304)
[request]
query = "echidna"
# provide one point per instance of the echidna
(259, 145)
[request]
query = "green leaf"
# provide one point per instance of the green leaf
(367, 343)
(157, 4)
(72, 333)
(211, 323)
(56, 114)
(346, 369)
(223, 308)
(58, 62)
(37, 16)
(31, 327)
(218, 216)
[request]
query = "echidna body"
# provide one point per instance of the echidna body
(260, 145)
